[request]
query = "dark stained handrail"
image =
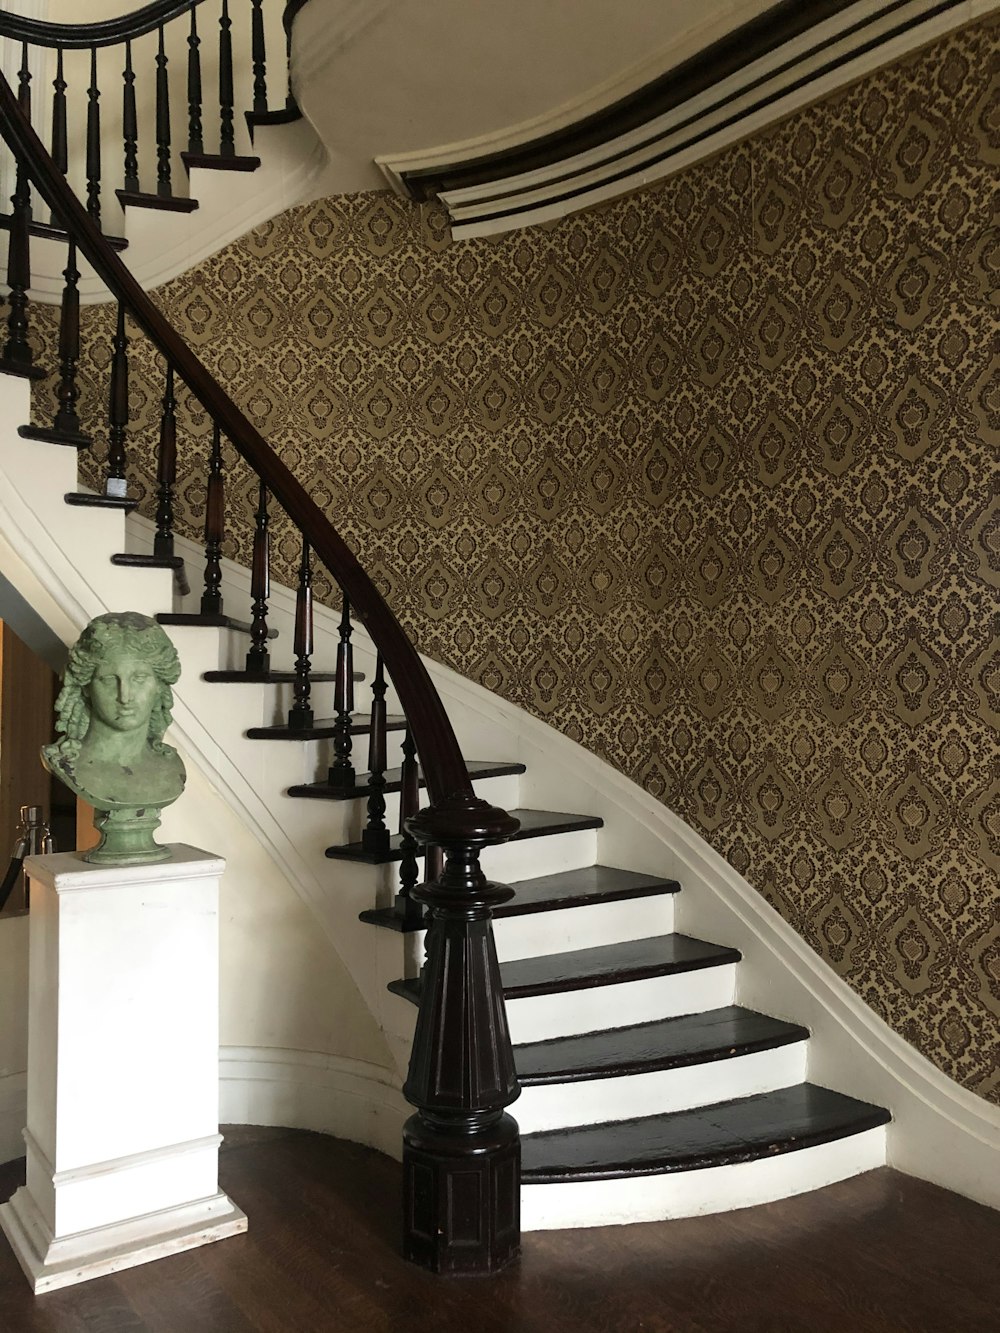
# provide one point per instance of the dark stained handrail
(455, 808)
(106, 32)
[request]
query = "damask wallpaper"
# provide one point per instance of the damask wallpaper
(705, 480)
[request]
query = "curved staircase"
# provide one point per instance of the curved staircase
(646, 1089)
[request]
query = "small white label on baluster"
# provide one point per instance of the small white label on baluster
(116, 488)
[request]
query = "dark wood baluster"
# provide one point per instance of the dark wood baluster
(433, 864)
(60, 151)
(290, 102)
(215, 530)
(130, 123)
(227, 134)
(259, 59)
(375, 837)
(300, 715)
(164, 187)
(408, 908)
(196, 135)
(258, 658)
(66, 424)
(166, 472)
(18, 358)
(24, 83)
(94, 142)
(341, 774)
(115, 483)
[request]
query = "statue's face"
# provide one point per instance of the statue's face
(123, 691)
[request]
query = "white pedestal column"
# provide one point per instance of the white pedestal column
(123, 1068)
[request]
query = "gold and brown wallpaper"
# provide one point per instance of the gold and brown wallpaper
(706, 480)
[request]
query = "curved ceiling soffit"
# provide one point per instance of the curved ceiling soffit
(791, 55)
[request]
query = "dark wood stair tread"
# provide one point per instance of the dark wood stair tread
(610, 964)
(130, 561)
(603, 965)
(49, 435)
(48, 231)
(196, 619)
(534, 824)
(666, 1043)
(242, 677)
(164, 203)
(324, 728)
(723, 1134)
(323, 791)
(90, 500)
(582, 888)
(220, 161)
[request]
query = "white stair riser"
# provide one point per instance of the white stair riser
(717, 1189)
(538, 933)
(538, 1017)
(546, 855)
(560, 1105)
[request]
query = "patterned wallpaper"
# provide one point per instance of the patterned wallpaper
(704, 479)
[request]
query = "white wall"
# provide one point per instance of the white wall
(13, 1032)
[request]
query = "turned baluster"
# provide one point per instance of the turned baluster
(300, 715)
(164, 187)
(94, 142)
(227, 134)
(259, 59)
(130, 123)
(166, 472)
(215, 529)
(258, 658)
(341, 774)
(409, 803)
(65, 428)
(290, 102)
(18, 358)
(196, 137)
(24, 83)
(60, 149)
(375, 837)
(115, 483)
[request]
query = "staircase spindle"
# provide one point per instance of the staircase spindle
(166, 472)
(24, 83)
(409, 803)
(259, 54)
(258, 658)
(130, 123)
(375, 837)
(115, 483)
(18, 357)
(66, 423)
(196, 134)
(341, 775)
(60, 149)
(215, 529)
(94, 142)
(227, 134)
(164, 186)
(290, 102)
(300, 715)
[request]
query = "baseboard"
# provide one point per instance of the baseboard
(329, 1094)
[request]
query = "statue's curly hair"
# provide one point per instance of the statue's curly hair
(111, 633)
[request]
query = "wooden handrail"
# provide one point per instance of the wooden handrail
(106, 32)
(445, 771)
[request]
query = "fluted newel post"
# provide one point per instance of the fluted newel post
(300, 715)
(407, 907)
(60, 151)
(375, 837)
(94, 142)
(433, 863)
(130, 123)
(461, 1151)
(196, 137)
(163, 183)
(227, 134)
(166, 472)
(215, 530)
(259, 58)
(258, 658)
(341, 774)
(115, 483)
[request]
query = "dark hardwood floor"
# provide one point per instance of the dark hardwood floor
(883, 1252)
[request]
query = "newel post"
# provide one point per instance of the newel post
(461, 1151)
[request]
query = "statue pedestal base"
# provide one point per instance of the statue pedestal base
(123, 1068)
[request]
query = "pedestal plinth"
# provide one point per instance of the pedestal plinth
(123, 1068)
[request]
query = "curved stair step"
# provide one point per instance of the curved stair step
(324, 791)
(582, 888)
(534, 824)
(611, 965)
(710, 1159)
(324, 728)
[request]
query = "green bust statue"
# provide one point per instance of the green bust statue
(112, 711)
